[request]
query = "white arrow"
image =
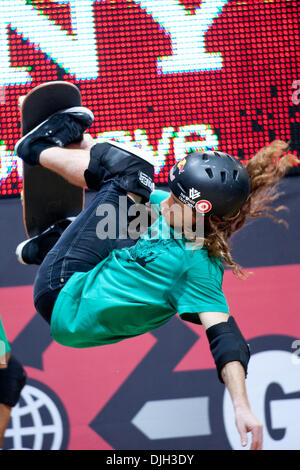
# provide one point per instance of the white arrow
(166, 419)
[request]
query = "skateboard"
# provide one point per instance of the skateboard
(46, 196)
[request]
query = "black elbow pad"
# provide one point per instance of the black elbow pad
(12, 380)
(228, 344)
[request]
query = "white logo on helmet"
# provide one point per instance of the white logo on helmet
(193, 193)
(203, 206)
(172, 176)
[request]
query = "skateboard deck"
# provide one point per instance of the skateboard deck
(46, 196)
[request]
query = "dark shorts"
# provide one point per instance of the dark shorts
(79, 249)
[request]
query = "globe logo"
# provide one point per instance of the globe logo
(36, 422)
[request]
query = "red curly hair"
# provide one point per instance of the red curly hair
(265, 170)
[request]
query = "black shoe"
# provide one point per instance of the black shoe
(134, 167)
(34, 250)
(59, 130)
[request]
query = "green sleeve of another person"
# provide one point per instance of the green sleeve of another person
(4, 345)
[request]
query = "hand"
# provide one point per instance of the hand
(4, 360)
(246, 422)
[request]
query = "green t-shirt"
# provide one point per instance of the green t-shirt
(137, 289)
(4, 345)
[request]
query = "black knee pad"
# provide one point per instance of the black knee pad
(228, 344)
(107, 161)
(12, 380)
(96, 174)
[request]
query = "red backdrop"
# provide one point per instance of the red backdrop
(126, 75)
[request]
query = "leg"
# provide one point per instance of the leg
(89, 164)
(111, 168)
(79, 249)
(72, 162)
(68, 163)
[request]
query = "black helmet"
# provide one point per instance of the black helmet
(210, 182)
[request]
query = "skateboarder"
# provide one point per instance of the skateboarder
(97, 291)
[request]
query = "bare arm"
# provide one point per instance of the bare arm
(234, 378)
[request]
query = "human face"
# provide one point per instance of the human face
(176, 213)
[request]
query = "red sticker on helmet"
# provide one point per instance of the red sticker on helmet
(203, 206)
(181, 164)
